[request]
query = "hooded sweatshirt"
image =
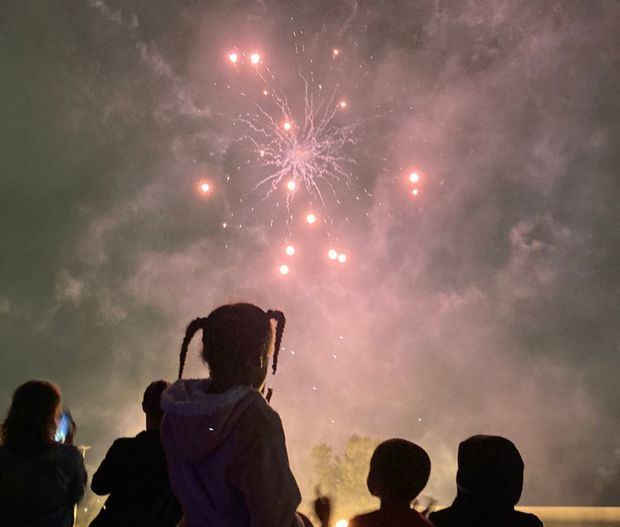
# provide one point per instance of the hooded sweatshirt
(489, 484)
(226, 457)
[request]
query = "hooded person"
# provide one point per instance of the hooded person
(224, 444)
(489, 484)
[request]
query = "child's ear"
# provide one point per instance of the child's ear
(373, 484)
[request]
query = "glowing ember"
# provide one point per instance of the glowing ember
(310, 218)
(284, 270)
(205, 188)
(291, 185)
(265, 92)
(414, 177)
(332, 254)
(255, 58)
(335, 52)
(342, 258)
(415, 192)
(233, 57)
(290, 250)
(342, 104)
(287, 125)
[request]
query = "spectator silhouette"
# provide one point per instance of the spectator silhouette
(41, 480)
(135, 476)
(399, 470)
(489, 483)
(224, 444)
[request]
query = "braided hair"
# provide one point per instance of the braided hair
(192, 329)
(280, 319)
(235, 336)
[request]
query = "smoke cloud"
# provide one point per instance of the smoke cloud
(488, 304)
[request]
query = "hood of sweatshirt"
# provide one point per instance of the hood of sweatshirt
(199, 421)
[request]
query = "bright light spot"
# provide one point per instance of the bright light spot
(262, 153)
(224, 225)
(291, 185)
(335, 52)
(204, 188)
(284, 269)
(332, 254)
(342, 104)
(414, 177)
(287, 125)
(233, 57)
(255, 58)
(311, 218)
(415, 192)
(290, 250)
(342, 258)
(342, 523)
(265, 93)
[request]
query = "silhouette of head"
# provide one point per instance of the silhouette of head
(490, 472)
(399, 470)
(31, 421)
(237, 342)
(152, 399)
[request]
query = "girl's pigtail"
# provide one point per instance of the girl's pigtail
(280, 319)
(192, 328)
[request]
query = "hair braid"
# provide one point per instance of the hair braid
(192, 328)
(280, 319)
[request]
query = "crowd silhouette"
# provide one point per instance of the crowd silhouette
(213, 453)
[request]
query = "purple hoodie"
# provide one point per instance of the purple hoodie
(226, 457)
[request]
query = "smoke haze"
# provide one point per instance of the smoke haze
(489, 304)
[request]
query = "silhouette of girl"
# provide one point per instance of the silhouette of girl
(224, 444)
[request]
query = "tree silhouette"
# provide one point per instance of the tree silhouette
(343, 477)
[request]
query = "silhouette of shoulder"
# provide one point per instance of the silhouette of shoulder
(450, 517)
(527, 520)
(377, 519)
(259, 423)
(128, 461)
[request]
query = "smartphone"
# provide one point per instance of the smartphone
(64, 426)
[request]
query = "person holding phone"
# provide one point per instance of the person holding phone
(42, 475)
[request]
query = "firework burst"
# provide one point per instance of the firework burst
(301, 151)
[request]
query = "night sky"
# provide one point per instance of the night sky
(487, 303)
